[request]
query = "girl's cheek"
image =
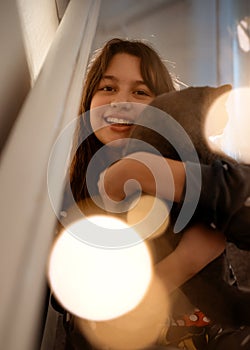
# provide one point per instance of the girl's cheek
(98, 101)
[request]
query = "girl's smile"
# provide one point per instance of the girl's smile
(119, 122)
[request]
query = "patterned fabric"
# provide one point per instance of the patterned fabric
(187, 332)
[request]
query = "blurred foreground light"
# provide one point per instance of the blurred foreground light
(149, 216)
(243, 34)
(138, 329)
(234, 138)
(98, 283)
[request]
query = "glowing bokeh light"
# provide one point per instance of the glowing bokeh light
(137, 329)
(149, 216)
(96, 283)
(243, 28)
(233, 139)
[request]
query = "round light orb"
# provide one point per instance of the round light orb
(98, 283)
(149, 216)
(138, 329)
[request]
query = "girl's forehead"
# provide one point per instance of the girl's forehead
(121, 59)
(124, 65)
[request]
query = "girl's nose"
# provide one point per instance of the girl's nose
(122, 99)
(127, 106)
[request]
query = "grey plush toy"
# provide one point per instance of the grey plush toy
(209, 290)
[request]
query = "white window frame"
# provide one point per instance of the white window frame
(27, 218)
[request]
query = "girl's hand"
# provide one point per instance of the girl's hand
(120, 181)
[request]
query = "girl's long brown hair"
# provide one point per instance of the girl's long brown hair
(156, 77)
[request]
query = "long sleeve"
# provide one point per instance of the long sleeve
(224, 201)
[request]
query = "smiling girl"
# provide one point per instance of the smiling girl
(123, 78)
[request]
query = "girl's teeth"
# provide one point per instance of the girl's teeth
(118, 121)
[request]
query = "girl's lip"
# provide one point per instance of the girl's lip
(120, 127)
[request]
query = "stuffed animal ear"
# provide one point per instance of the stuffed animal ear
(223, 89)
(221, 92)
(211, 93)
(217, 115)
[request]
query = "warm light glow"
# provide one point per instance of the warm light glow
(149, 216)
(243, 32)
(96, 283)
(137, 329)
(216, 119)
(234, 139)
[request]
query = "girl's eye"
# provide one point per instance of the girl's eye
(107, 88)
(141, 93)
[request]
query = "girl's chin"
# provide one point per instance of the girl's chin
(118, 143)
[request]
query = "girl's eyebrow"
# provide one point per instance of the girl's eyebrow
(111, 77)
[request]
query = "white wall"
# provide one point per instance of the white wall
(27, 29)
(198, 36)
(14, 72)
(39, 23)
(184, 32)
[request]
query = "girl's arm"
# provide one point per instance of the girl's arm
(154, 174)
(198, 246)
(222, 189)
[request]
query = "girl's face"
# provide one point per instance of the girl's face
(123, 95)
